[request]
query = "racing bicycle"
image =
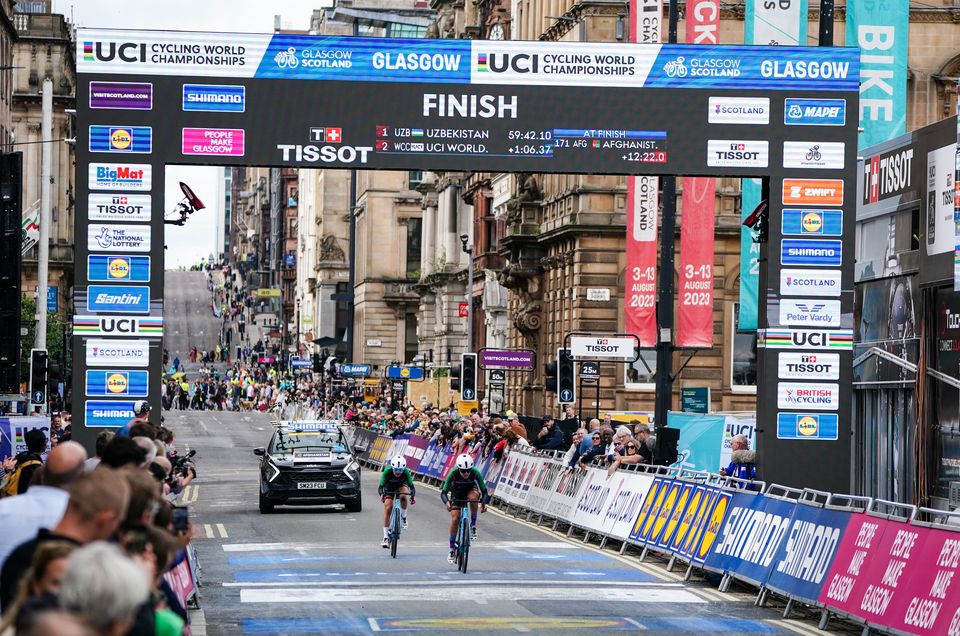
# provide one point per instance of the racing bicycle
(462, 545)
(395, 527)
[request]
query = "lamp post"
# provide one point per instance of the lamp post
(468, 250)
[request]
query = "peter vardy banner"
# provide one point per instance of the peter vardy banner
(464, 62)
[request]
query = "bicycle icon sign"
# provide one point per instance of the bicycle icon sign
(814, 153)
(287, 59)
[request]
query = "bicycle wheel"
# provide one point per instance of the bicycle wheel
(465, 540)
(394, 532)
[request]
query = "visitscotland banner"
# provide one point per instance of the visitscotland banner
(880, 29)
(643, 201)
(695, 301)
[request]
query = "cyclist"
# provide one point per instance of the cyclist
(395, 479)
(463, 483)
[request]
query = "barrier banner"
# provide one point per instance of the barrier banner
(592, 499)
(674, 514)
(706, 535)
(362, 442)
(803, 559)
(437, 462)
(448, 463)
(513, 486)
(875, 560)
(12, 430)
(623, 506)
(380, 449)
(750, 536)
(414, 452)
(930, 599)
(546, 474)
(649, 509)
(691, 520)
(565, 493)
(658, 521)
(180, 581)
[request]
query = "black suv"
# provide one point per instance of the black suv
(308, 464)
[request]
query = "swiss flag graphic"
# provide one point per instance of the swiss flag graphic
(332, 135)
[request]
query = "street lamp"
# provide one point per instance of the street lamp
(468, 250)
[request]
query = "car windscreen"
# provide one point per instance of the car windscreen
(287, 442)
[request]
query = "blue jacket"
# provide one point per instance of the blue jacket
(743, 465)
(553, 440)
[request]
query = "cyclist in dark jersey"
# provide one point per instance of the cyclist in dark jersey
(463, 483)
(395, 479)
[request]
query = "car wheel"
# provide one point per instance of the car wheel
(266, 507)
(356, 505)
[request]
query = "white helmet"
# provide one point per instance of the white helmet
(398, 463)
(465, 462)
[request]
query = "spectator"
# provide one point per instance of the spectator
(123, 452)
(58, 623)
(631, 455)
(103, 438)
(28, 462)
(642, 432)
(513, 423)
(550, 437)
(38, 590)
(150, 449)
(105, 586)
(43, 505)
(144, 499)
(573, 453)
(602, 447)
(98, 503)
(742, 461)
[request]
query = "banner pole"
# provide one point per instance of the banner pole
(826, 23)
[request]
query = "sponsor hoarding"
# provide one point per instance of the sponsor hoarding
(108, 413)
(603, 347)
(136, 177)
(116, 383)
(128, 139)
(116, 269)
(808, 366)
(121, 95)
(118, 238)
(814, 112)
(728, 153)
(807, 426)
(118, 326)
(816, 155)
(117, 353)
(835, 339)
(812, 222)
(507, 359)
(213, 141)
(118, 299)
(811, 253)
(813, 192)
(810, 282)
(813, 312)
(214, 98)
(739, 110)
(816, 396)
(120, 208)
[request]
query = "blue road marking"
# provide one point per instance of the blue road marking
(314, 625)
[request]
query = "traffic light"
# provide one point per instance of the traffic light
(455, 378)
(550, 376)
(566, 377)
(54, 377)
(317, 364)
(468, 377)
(38, 376)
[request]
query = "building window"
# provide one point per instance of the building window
(414, 178)
(743, 357)
(639, 375)
(491, 235)
(405, 31)
(411, 342)
(414, 242)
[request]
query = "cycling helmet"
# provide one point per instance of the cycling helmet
(398, 463)
(465, 462)
(141, 408)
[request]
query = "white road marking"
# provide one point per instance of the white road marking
(374, 626)
(464, 592)
(428, 583)
(257, 547)
(208, 529)
(223, 531)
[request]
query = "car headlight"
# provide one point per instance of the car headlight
(273, 468)
(352, 470)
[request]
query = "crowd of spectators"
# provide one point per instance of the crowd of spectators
(86, 541)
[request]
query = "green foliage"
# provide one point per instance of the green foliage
(56, 326)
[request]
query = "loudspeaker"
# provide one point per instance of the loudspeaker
(665, 450)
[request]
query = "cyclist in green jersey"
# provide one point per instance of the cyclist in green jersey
(463, 483)
(395, 478)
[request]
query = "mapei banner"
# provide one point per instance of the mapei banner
(880, 30)
(287, 56)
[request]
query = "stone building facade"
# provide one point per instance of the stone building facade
(44, 48)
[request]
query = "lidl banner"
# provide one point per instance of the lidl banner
(880, 30)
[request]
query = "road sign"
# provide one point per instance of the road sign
(695, 399)
(508, 359)
(566, 396)
(297, 363)
(397, 385)
(589, 371)
(604, 347)
(52, 298)
(498, 375)
(355, 370)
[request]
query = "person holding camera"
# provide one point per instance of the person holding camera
(550, 437)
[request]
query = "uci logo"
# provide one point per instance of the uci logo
(520, 63)
(118, 325)
(108, 52)
(810, 339)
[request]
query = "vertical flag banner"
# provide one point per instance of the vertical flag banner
(695, 300)
(749, 258)
(643, 202)
(776, 24)
(956, 203)
(880, 30)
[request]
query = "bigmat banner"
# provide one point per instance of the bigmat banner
(643, 203)
(289, 100)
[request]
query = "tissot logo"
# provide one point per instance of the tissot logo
(109, 51)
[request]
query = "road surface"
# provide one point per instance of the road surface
(189, 319)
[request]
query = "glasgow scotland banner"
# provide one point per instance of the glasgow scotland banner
(695, 299)
(880, 30)
(643, 201)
